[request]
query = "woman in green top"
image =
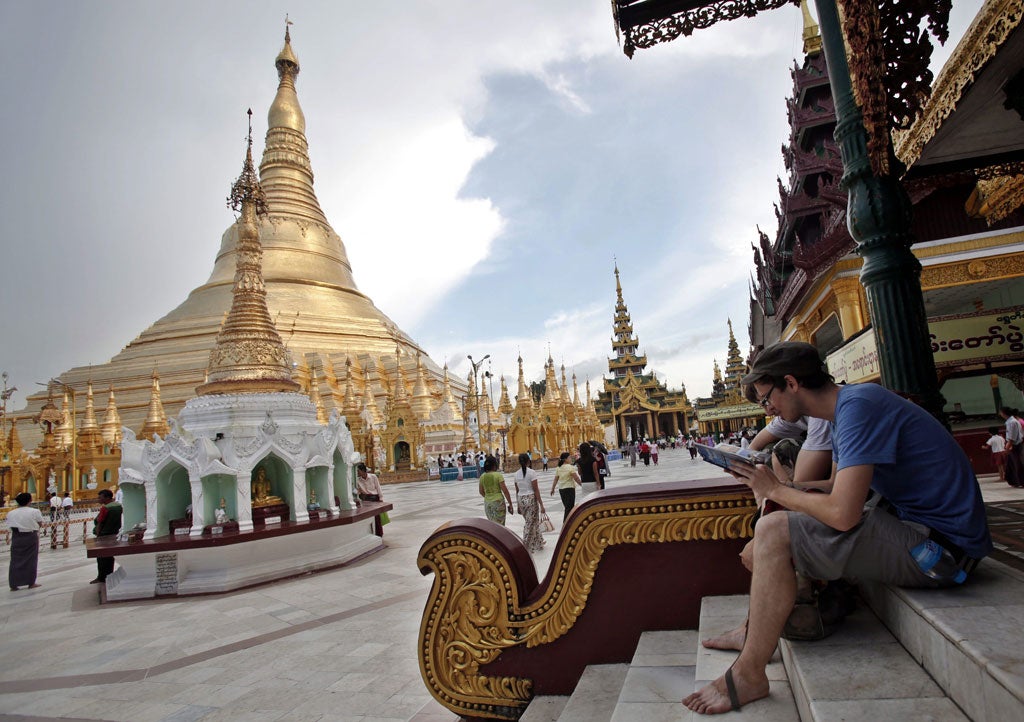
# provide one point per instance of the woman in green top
(495, 493)
(566, 479)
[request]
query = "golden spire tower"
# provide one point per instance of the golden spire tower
(156, 418)
(249, 356)
(111, 427)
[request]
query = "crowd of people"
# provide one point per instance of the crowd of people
(585, 471)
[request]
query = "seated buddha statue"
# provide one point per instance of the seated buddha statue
(261, 495)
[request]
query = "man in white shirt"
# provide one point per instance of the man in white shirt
(66, 505)
(54, 506)
(368, 489)
(997, 445)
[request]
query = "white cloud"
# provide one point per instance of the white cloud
(411, 235)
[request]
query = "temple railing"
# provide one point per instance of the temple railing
(627, 560)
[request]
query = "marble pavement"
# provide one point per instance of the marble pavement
(336, 645)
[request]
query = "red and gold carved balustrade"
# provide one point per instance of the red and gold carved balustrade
(627, 560)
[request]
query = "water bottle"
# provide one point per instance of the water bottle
(935, 561)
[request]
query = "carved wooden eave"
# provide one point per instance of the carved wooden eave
(993, 44)
(813, 74)
(823, 112)
(646, 23)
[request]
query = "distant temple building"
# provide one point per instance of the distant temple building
(636, 403)
(726, 410)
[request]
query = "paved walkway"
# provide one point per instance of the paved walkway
(338, 645)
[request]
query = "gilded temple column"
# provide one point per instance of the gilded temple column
(243, 500)
(851, 314)
(301, 495)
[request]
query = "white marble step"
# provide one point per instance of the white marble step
(660, 675)
(952, 655)
(595, 695)
(863, 674)
(969, 639)
(545, 708)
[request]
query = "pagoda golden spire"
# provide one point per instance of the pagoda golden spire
(422, 401)
(13, 440)
(66, 430)
(401, 391)
(314, 396)
(523, 396)
(369, 402)
(575, 391)
(249, 356)
(156, 419)
(811, 35)
(89, 417)
(350, 404)
(89, 430)
(504, 403)
(111, 427)
(447, 398)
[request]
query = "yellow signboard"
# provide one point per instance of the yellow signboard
(967, 338)
(739, 411)
(991, 336)
(856, 361)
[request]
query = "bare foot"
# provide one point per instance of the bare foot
(717, 697)
(732, 640)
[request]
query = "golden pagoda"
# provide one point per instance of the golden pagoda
(727, 410)
(636, 402)
(309, 287)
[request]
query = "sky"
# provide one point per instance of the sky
(486, 164)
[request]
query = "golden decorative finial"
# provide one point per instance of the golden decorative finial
(812, 36)
(249, 356)
(156, 418)
(247, 187)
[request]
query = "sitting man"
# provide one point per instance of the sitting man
(924, 489)
(813, 463)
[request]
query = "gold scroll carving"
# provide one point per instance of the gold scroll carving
(473, 611)
(971, 271)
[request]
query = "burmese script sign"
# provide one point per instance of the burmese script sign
(991, 336)
(740, 411)
(856, 361)
(955, 340)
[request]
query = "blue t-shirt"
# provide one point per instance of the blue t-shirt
(919, 468)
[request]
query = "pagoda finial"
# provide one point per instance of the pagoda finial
(812, 36)
(285, 111)
(618, 285)
(111, 427)
(249, 356)
(156, 419)
(247, 187)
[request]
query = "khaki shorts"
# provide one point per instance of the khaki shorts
(877, 549)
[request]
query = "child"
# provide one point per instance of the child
(997, 445)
